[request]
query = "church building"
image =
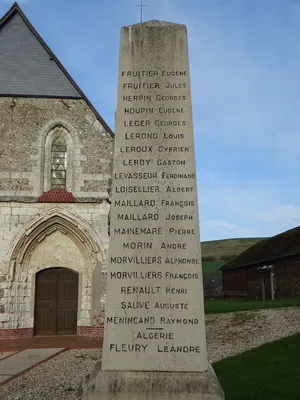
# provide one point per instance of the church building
(56, 157)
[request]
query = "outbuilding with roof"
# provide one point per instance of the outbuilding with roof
(269, 269)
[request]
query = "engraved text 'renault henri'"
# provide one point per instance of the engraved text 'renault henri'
(155, 261)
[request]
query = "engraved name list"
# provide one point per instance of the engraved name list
(154, 271)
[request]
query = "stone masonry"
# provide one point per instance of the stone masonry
(26, 128)
(56, 249)
(36, 235)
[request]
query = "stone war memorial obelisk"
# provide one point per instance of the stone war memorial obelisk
(154, 340)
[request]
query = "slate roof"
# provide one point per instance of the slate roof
(283, 245)
(29, 68)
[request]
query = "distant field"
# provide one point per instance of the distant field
(224, 250)
(216, 253)
(225, 306)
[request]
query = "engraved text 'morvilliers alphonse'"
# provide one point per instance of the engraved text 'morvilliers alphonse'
(154, 319)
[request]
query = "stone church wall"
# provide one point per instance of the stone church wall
(35, 235)
(55, 248)
(26, 128)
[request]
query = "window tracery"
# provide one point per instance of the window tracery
(58, 163)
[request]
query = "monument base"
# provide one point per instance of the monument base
(150, 385)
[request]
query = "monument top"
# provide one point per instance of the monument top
(156, 23)
(154, 341)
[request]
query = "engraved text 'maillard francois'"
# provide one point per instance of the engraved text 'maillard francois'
(154, 265)
(123, 187)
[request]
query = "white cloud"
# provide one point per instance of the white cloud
(225, 228)
(285, 215)
(243, 209)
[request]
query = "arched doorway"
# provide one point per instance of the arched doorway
(56, 302)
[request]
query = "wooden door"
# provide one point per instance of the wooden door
(67, 296)
(45, 302)
(56, 302)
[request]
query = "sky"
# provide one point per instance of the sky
(245, 79)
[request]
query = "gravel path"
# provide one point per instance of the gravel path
(233, 333)
(6, 354)
(56, 379)
(227, 335)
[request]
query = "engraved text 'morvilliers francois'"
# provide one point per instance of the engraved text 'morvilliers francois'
(154, 316)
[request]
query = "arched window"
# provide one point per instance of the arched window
(58, 163)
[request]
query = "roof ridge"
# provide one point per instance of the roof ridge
(267, 249)
(16, 8)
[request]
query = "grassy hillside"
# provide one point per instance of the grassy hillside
(223, 250)
(215, 253)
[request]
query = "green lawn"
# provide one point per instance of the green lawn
(224, 306)
(269, 372)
